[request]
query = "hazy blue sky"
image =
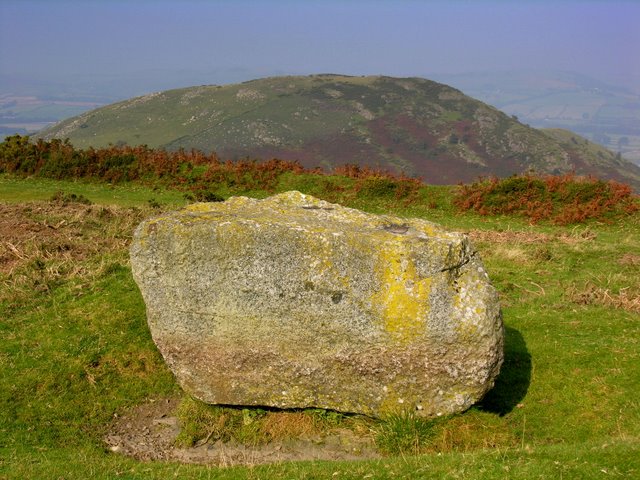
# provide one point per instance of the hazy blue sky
(597, 38)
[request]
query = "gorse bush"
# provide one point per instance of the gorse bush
(563, 199)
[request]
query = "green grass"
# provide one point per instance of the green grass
(15, 190)
(615, 459)
(75, 349)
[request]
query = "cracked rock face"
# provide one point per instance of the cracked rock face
(295, 302)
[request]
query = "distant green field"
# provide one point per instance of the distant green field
(75, 349)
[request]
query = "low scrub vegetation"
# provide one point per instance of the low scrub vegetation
(198, 174)
(563, 199)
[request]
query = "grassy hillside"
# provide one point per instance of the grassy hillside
(76, 353)
(409, 125)
(606, 114)
(602, 160)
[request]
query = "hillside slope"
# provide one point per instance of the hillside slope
(604, 113)
(593, 158)
(413, 125)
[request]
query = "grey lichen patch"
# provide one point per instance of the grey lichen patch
(292, 301)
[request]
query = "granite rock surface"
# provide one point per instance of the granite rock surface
(294, 302)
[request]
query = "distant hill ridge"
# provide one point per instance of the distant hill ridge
(413, 125)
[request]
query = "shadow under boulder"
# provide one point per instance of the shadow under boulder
(512, 383)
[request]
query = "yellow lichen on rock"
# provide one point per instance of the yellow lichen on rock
(403, 297)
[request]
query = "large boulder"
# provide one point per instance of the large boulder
(295, 302)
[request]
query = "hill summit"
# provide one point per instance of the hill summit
(409, 125)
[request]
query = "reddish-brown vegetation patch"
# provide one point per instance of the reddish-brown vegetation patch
(564, 199)
(190, 171)
(561, 199)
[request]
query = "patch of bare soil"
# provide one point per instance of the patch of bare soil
(148, 432)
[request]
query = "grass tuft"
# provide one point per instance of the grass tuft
(64, 198)
(404, 433)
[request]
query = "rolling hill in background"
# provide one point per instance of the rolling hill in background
(603, 113)
(413, 125)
